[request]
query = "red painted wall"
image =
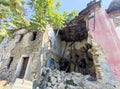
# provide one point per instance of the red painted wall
(105, 35)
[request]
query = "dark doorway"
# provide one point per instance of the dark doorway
(34, 36)
(24, 66)
(10, 62)
(64, 66)
(21, 37)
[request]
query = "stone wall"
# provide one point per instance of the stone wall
(55, 48)
(101, 66)
(23, 48)
(51, 47)
(6, 46)
(103, 69)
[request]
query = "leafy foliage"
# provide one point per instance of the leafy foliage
(11, 15)
(45, 12)
(68, 16)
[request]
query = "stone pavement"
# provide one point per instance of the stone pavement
(22, 84)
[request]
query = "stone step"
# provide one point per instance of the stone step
(2, 83)
(22, 84)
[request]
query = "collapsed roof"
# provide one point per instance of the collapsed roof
(76, 30)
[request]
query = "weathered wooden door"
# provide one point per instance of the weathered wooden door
(24, 66)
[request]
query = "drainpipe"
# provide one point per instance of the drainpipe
(87, 22)
(94, 19)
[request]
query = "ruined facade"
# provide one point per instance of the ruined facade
(20, 53)
(75, 55)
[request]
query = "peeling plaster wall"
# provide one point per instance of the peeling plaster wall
(55, 42)
(105, 35)
(51, 47)
(116, 23)
(32, 50)
(103, 69)
(6, 47)
(24, 47)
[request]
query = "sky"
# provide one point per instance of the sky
(79, 4)
(71, 5)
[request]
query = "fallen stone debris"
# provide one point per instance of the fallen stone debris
(61, 80)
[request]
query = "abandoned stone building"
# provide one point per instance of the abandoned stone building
(57, 57)
(20, 53)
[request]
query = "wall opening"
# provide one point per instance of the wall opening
(75, 53)
(78, 60)
(34, 36)
(10, 62)
(21, 37)
(64, 65)
(24, 66)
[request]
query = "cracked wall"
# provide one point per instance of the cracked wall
(23, 48)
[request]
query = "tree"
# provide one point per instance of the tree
(68, 16)
(45, 12)
(11, 16)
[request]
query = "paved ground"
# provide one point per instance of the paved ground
(22, 84)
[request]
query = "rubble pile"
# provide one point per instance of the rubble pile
(61, 80)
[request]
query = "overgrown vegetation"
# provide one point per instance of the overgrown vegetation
(13, 15)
